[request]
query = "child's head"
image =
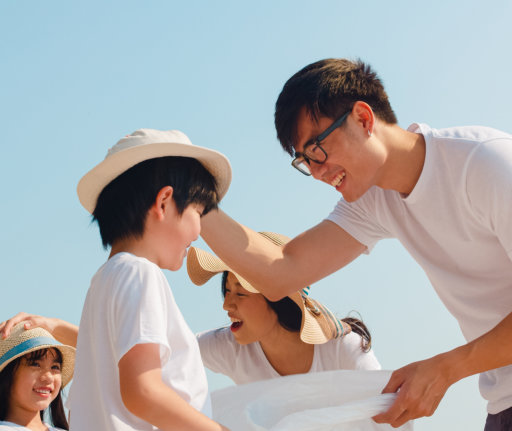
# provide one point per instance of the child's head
(254, 314)
(34, 367)
(121, 190)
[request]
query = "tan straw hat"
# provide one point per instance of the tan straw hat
(21, 341)
(319, 324)
(145, 144)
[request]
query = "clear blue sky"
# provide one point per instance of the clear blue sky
(77, 76)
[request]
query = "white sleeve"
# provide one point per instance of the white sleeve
(350, 355)
(357, 218)
(489, 188)
(218, 350)
(140, 307)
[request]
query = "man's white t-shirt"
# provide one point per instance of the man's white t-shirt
(247, 363)
(457, 224)
(130, 302)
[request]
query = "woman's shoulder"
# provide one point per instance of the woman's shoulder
(348, 353)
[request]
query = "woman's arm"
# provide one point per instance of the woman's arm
(63, 331)
(146, 396)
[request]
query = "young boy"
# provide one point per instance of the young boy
(138, 365)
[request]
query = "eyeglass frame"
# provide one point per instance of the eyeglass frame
(300, 157)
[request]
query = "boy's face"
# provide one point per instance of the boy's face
(177, 232)
(354, 160)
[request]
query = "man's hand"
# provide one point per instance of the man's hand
(421, 387)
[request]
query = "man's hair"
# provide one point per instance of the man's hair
(124, 203)
(328, 88)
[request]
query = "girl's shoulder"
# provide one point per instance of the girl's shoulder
(9, 426)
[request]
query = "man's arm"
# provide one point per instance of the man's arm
(278, 271)
(147, 397)
(423, 384)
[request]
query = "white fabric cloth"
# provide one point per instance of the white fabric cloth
(248, 363)
(130, 302)
(9, 426)
(338, 400)
(457, 224)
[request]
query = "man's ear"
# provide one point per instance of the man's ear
(163, 199)
(364, 116)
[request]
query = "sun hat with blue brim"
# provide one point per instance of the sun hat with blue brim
(145, 144)
(22, 341)
(318, 325)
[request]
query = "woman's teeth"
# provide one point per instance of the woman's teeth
(338, 179)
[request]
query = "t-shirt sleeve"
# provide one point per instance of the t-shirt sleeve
(218, 350)
(489, 188)
(350, 355)
(358, 219)
(139, 308)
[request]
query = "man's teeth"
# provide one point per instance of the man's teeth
(234, 320)
(338, 180)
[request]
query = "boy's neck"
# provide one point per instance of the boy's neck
(135, 246)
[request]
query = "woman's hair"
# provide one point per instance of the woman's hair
(289, 316)
(56, 410)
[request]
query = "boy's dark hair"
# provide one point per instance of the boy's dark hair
(123, 204)
(289, 316)
(328, 88)
(56, 409)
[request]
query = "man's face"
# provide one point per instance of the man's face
(354, 159)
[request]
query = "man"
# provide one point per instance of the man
(445, 194)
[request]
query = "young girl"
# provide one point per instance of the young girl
(294, 335)
(34, 367)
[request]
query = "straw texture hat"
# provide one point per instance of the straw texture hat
(145, 144)
(21, 341)
(318, 325)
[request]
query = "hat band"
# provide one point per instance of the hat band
(26, 345)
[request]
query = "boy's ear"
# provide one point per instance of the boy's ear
(163, 198)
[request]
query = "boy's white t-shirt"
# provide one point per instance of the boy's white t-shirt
(130, 302)
(247, 363)
(457, 224)
(10, 426)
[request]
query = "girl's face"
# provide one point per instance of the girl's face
(36, 384)
(252, 318)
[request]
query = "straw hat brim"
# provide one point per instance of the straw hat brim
(22, 342)
(94, 181)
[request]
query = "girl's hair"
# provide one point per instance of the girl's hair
(56, 410)
(289, 316)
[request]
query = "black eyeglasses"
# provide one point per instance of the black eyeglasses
(313, 151)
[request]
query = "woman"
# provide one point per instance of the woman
(270, 339)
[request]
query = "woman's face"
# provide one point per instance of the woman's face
(36, 384)
(251, 316)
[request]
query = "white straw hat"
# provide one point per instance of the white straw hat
(22, 341)
(145, 144)
(319, 324)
